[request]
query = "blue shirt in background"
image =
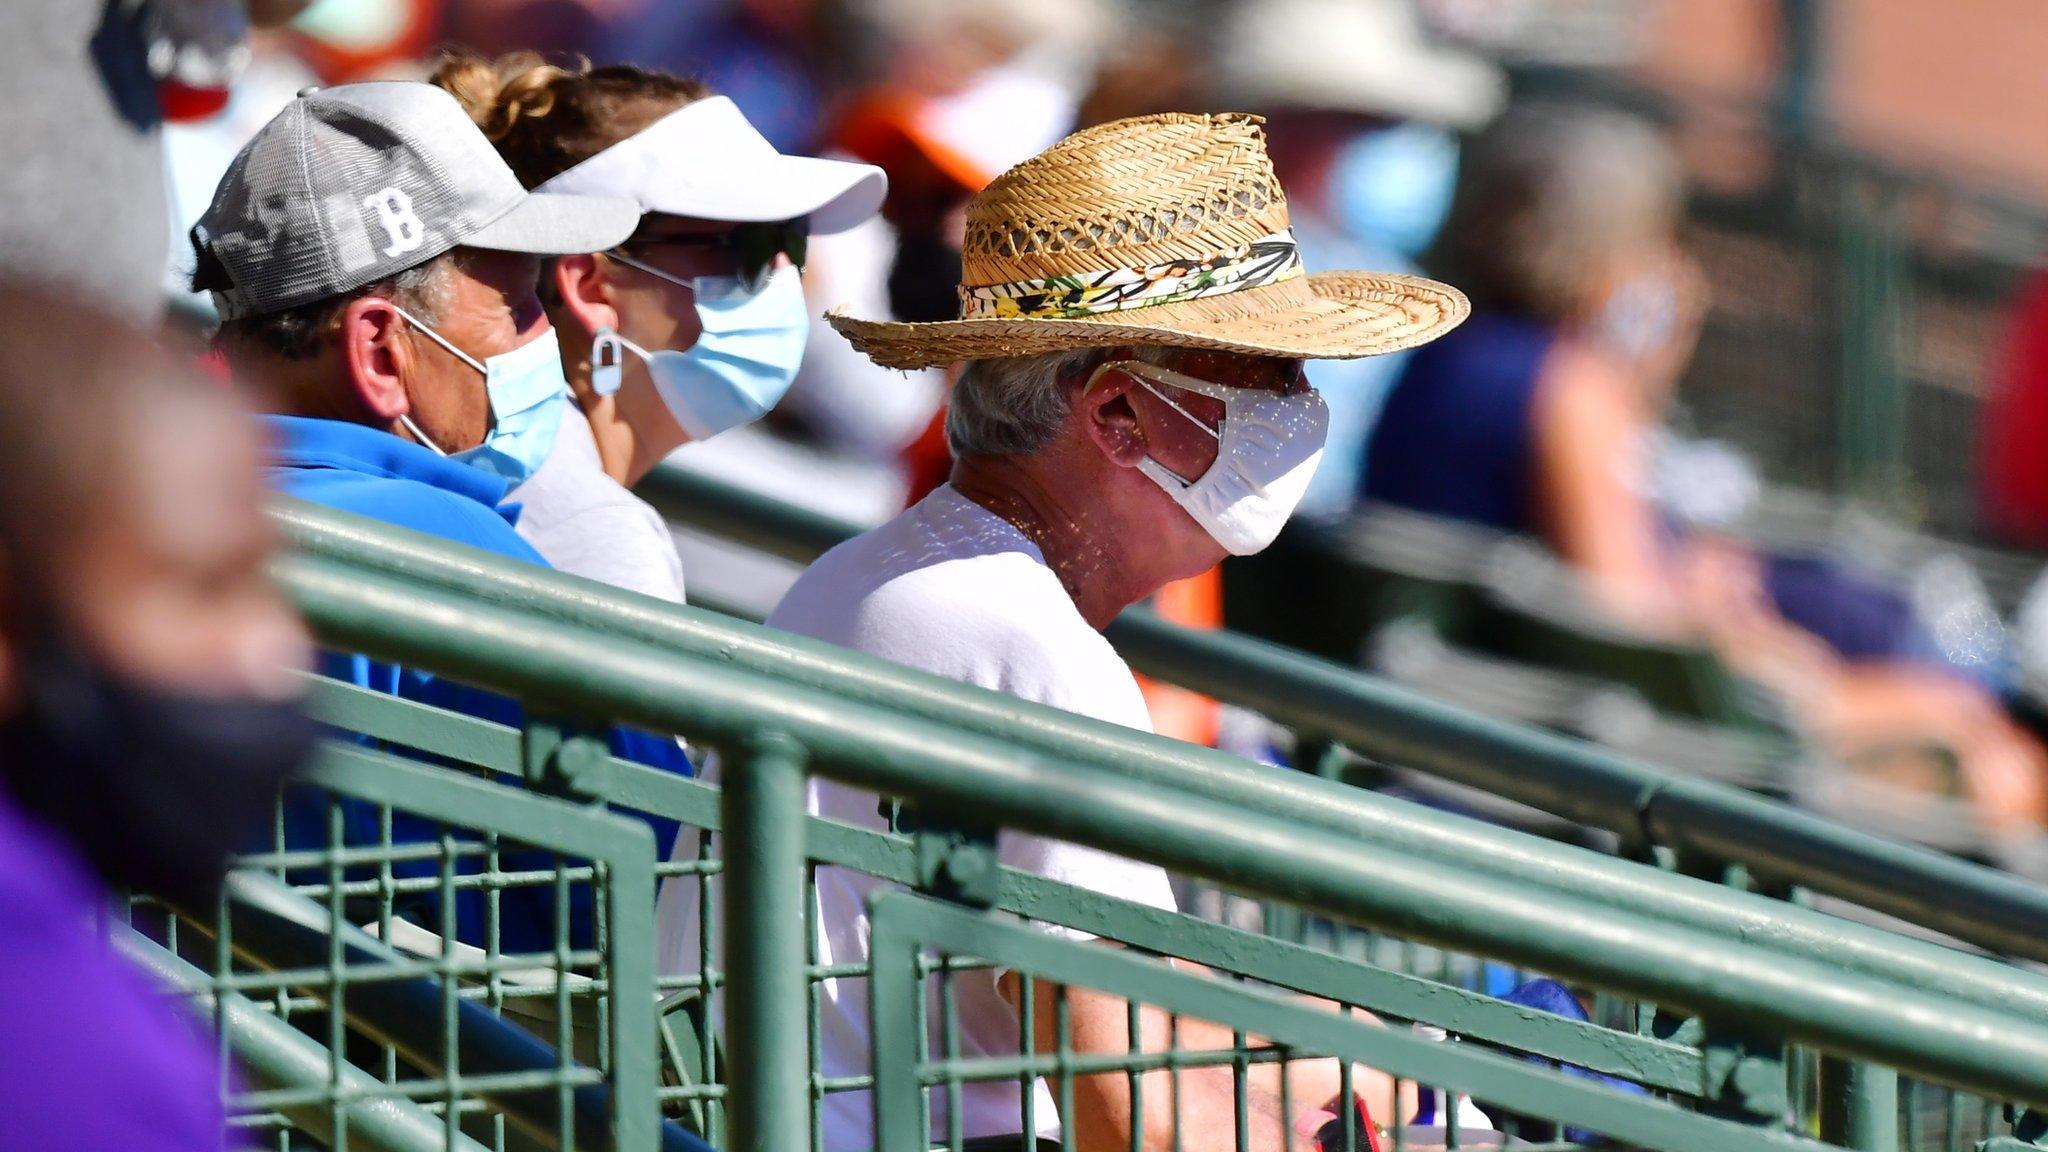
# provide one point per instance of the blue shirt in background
(372, 473)
(1456, 437)
(1353, 390)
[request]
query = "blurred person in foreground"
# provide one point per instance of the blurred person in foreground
(148, 713)
(374, 264)
(1538, 416)
(1131, 410)
(692, 326)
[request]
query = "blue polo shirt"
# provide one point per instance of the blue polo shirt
(372, 473)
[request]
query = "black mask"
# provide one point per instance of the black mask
(923, 281)
(156, 788)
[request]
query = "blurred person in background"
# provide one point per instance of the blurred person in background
(88, 85)
(1365, 114)
(1537, 417)
(375, 265)
(939, 150)
(328, 42)
(2012, 471)
(694, 325)
(1131, 409)
(968, 91)
(148, 713)
(773, 58)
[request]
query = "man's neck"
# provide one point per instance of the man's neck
(1081, 544)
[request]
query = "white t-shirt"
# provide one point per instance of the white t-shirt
(950, 588)
(587, 524)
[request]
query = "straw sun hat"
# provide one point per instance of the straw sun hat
(1163, 229)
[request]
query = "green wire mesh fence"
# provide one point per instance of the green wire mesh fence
(1712, 999)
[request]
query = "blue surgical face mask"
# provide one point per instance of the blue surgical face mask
(1393, 186)
(741, 364)
(528, 393)
(1640, 317)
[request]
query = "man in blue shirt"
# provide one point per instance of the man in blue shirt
(375, 263)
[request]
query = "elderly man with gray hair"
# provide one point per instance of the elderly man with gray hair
(1134, 317)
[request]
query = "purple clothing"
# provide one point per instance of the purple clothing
(93, 1055)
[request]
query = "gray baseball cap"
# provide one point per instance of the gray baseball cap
(353, 184)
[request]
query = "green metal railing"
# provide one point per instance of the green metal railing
(779, 711)
(1296, 797)
(1333, 708)
(361, 1044)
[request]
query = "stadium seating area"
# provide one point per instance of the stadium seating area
(1726, 1012)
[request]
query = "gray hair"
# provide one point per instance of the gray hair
(1553, 195)
(1014, 405)
(297, 333)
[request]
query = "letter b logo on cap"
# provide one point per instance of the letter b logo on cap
(402, 225)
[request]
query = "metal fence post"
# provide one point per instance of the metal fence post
(1859, 1105)
(1876, 296)
(762, 805)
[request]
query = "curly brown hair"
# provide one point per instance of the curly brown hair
(546, 118)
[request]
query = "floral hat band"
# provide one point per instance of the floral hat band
(1157, 230)
(1268, 260)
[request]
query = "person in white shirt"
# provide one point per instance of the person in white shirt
(1131, 409)
(692, 327)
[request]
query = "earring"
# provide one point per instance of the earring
(607, 362)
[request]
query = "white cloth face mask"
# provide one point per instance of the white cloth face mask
(1266, 453)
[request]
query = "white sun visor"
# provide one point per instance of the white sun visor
(705, 161)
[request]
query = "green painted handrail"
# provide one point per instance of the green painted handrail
(1300, 799)
(1556, 774)
(557, 666)
(280, 929)
(282, 1057)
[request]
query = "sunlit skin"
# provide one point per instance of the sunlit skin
(164, 576)
(1114, 537)
(1111, 535)
(491, 308)
(633, 428)
(392, 369)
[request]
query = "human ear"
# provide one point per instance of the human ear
(376, 360)
(584, 286)
(1104, 409)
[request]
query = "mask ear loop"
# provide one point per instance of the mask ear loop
(1142, 372)
(1135, 369)
(702, 287)
(406, 420)
(437, 338)
(1163, 398)
(608, 361)
(425, 441)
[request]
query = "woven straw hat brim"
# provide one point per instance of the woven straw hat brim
(1322, 316)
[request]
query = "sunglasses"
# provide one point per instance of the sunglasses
(752, 247)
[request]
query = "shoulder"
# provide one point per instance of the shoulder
(885, 583)
(410, 504)
(999, 621)
(624, 543)
(1580, 390)
(80, 1026)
